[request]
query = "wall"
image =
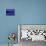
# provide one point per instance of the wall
(7, 23)
(26, 12)
(31, 11)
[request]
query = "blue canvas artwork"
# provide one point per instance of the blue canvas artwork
(10, 12)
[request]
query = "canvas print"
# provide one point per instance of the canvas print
(31, 33)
